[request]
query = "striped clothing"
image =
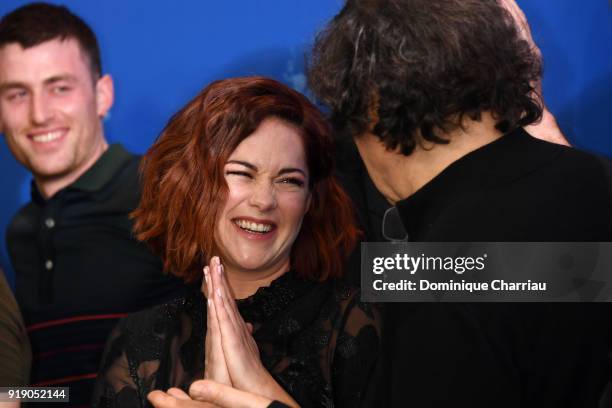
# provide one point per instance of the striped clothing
(79, 269)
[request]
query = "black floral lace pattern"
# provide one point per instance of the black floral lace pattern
(317, 339)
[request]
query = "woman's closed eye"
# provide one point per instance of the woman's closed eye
(292, 181)
(286, 180)
(239, 173)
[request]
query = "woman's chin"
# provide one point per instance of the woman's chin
(249, 263)
(254, 262)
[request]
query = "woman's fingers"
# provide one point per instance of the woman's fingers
(228, 291)
(211, 321)
(227, 327)
(225, 396)
(222, 291)
(206, 290)
(212, 304)
(160, 399)
(230, 303)
(206, 284)
(215, 366)
(178, 394)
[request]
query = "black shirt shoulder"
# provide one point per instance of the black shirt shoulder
(517, 188)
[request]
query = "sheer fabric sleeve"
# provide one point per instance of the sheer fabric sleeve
(356, 357)
(114, 385)
(130, 364)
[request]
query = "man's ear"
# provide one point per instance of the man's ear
(105, 95)
(1, 123)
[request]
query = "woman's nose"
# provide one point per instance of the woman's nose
(263, 197)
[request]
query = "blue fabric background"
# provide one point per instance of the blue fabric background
(160, 53)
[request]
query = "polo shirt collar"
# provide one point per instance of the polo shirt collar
(98, 175)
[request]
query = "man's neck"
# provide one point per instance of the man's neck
(397, 176)
(49, 186)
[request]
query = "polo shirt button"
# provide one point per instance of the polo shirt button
(50, 222)
(49, 265)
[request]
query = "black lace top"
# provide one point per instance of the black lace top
(318, 340)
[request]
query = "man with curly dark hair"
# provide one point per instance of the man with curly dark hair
(440, 98)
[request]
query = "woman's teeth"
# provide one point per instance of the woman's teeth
(253, 226)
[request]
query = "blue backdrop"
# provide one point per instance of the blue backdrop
(160, 54)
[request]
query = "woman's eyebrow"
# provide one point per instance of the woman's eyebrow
(291, 170)
(243, 163)
(281, 172)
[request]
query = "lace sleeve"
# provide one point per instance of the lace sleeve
(356, 361)
(114, 385)
(130, 363)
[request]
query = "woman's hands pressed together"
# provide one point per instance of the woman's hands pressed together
(234, 375)
(234, 355)
(215, 367)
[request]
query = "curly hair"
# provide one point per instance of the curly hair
(404, 68)
(184, 187)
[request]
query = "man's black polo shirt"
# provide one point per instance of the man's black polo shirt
(78, 269)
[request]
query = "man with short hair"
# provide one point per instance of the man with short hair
(78, 268)
(436, 96)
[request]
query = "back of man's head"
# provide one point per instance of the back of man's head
(36, 23)
(408, 68)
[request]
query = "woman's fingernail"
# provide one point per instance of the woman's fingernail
(206, 277)
(205, 270)
(219, 293)
(209, 302)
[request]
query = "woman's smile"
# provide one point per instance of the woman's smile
(267, 198)
(255, 229)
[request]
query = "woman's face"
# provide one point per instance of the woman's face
(268, 196)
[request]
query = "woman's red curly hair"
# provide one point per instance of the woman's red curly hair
(184, 187)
